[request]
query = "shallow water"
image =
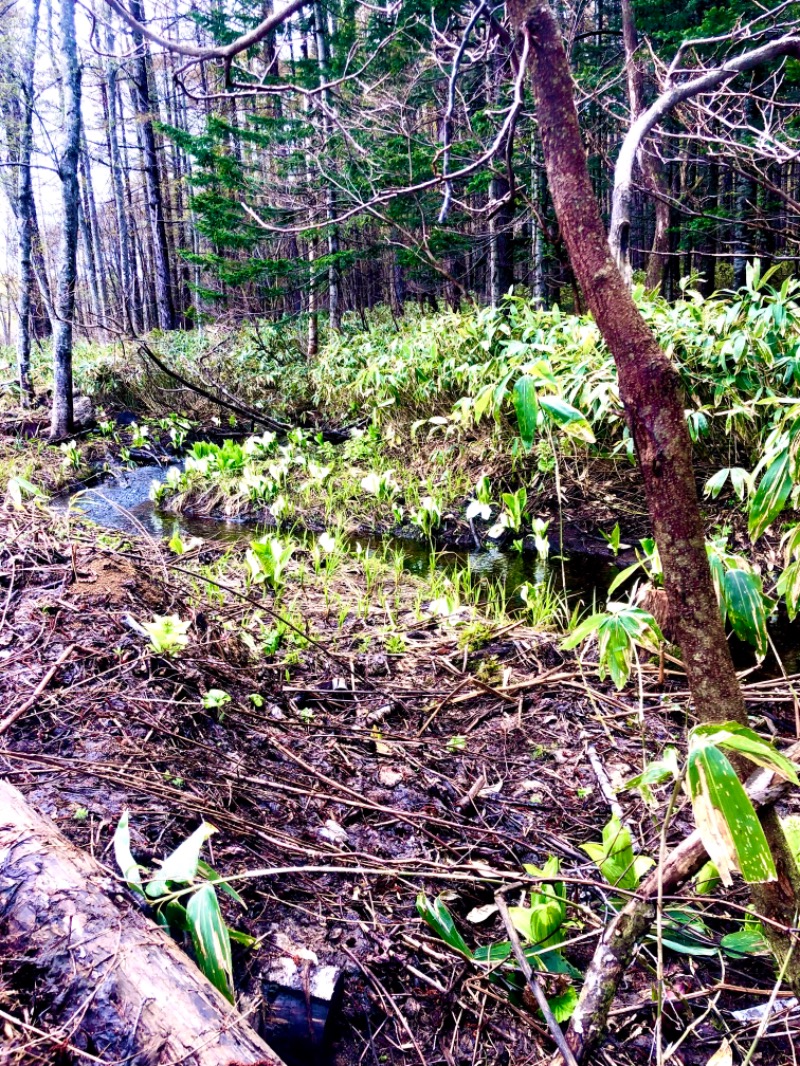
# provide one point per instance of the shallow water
(123, 503)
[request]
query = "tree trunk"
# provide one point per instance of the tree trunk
(95, 231)
(651, 394)
(650, 167)
(323, 59)
(501, 245)
(741, 238)
(155, 200)
(90, 263)
(25, 209)
(61, 423)
(104, 970)
(129, 314)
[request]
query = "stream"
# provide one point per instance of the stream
(123, 503)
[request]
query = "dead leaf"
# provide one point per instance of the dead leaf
(480, 914)
(389, 777)
(723, 1056)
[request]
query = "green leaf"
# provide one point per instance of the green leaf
(714, 485)
(771, 496)
(791, 827)
(527, 408)
(741, 738)
(623, 576)
(567, 418)
(125, 860)
(173, 915)
(615, 858)
(581, 632)
(725, 818)
(181, 866)
(789, 587)
(212, 944)
(493, 953)
(744, 942)
(211, 875)
(655, 773)
(441, 921)
(706, 880)
(563, 1005)
(242, 938)
(746, 611)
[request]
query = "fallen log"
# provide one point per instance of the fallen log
(113, 983)
(621, 936)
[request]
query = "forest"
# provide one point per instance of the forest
(399, 532)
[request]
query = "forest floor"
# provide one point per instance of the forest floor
(360, 771)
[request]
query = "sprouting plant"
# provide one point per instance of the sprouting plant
(267, 560)
(511, 517)
(180, 546)
(326, 550)
(395, 644)
(106, 428)
(475, 635)
(169, 635)
(428, 516)
(19, 488)
(215, 699)
(544, 604)
(618, 630)
(539, 528)
(182, 892)
(457, 743)
(140, 435)
(382, 485)
(483, 490)
(540, 926)
(614, 540)
(279, 507)
(515, 503)
(476, 509)
(615, 857)
(71, 454)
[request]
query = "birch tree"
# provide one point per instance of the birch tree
(61, 424)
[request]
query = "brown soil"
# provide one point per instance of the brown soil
(366, 778)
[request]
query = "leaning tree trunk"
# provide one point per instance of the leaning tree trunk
(62, 422)
(25, 209)
(108, 977)
(651, 394)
